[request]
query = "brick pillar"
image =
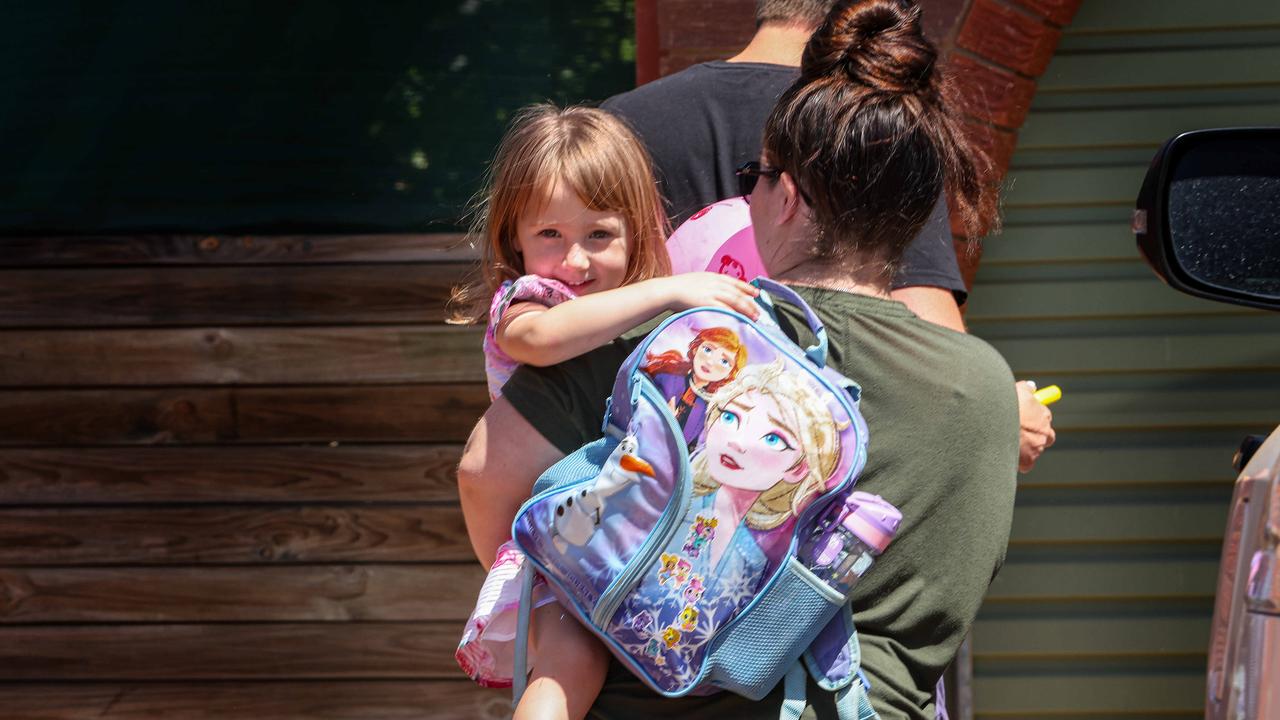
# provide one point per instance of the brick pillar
(1001, 48)
(694, 31)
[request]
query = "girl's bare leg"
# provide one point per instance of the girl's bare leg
(568, 671)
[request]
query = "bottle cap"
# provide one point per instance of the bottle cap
(873, 519)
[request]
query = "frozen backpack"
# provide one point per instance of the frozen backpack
(673, 537)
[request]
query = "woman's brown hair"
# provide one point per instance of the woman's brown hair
(595, 154)
(868, 134)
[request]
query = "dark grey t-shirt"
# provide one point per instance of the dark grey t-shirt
(702, 123)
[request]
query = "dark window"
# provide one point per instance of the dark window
(262, 116)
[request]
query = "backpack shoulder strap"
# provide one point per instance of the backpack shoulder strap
(834, 659)
(852, 701)
(520, 659)
(817, 353)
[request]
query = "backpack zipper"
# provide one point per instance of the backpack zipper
(612, 597)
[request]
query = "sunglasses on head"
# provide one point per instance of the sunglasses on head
(750, 172)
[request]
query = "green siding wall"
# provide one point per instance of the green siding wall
(1102, 609)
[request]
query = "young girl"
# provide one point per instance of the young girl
(572, 237)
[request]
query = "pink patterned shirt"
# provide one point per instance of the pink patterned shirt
(498, 366)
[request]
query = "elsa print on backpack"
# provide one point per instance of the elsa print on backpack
(768, 449)
(673, 537)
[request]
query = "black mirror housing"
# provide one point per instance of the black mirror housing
(1207, 219)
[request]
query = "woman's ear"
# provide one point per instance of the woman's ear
(792, 203)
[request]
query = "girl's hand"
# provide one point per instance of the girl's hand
(690, 290)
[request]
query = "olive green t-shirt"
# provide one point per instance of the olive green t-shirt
(943, 447)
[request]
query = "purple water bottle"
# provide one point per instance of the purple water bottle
(848, 539)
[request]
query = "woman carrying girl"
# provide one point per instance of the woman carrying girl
(855, 155)
(571, 234)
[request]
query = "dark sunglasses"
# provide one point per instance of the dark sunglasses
(749, 173)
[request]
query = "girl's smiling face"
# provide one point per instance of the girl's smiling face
(751, 447)
(712, 363)
(565, 240)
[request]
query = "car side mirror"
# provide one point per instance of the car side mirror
(1208, 215)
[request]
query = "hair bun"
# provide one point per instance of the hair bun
(876, 43)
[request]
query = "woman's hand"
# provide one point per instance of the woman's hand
(1036, 422)
(701, 289)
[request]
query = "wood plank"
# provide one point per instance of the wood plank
(1140, 127)
(1159, 353)
(104, 416)
(1095, 299)
(404, 651)
(1165, 576)
(252, 295)
(1040, 637)
(1148, 15)
(1092, 157)
(1261, 323)
(1066, 187)
(1138, 693)
(1168, 403)
(356, 700)
(1174, 68)
(228, 355)
(1137, 463)
(1185, 38)
(162, 535)
(1047, 517)
(432, 413)
(290, 474)
(387, 413)
(1094, 242)
(1167, 97)
(330, 593)
(221, 249)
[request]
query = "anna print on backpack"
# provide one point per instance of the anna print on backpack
(689, 379)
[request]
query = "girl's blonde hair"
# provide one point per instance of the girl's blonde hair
(599, 157)
(817, 430)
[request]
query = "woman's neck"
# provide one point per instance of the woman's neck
(857, 275)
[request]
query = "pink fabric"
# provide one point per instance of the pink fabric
(498, 366)
(487, 650)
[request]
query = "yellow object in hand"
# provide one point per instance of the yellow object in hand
(1048, 395)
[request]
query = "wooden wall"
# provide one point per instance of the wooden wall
(227, 478)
